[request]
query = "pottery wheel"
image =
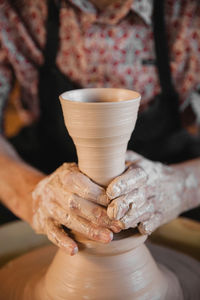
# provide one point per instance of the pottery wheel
(16, 272)
(186, 269)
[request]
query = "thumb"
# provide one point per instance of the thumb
(147, 227)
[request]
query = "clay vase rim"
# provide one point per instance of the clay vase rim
(73, 96)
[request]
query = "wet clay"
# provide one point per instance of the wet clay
(100, 129)
(122, 269)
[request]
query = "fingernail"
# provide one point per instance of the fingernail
(113, 192)
(104, 200)
(106, 237)
(117, 227)
(144, 229)
(117, 189)
(114, 212)
(74, 251)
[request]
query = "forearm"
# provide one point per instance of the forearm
(190, 172)
(17, 181)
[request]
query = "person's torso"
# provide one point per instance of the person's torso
(111, 49)
(98, 50)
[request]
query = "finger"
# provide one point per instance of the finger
(148, 226)
(76, 182)
(88, 229)
(136, 215)
(132, 156)
(120, 206)
(83, 208)
(59, 237)
(79, 224)
(132, 179)
(93, 213)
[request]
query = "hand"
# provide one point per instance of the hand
(68, 197)
(148, 194)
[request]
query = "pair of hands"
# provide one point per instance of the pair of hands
(145, 195)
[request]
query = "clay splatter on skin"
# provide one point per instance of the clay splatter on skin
(156, 195)
(55, 203)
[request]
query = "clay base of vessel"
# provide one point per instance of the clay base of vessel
(123, 269)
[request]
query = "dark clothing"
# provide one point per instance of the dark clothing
(158, 134)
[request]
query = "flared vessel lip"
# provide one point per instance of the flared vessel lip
(76, 96)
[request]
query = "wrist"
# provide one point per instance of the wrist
(31, 178)
(188, 184)
(17, 181)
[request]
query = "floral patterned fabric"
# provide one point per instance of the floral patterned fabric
(109, 48)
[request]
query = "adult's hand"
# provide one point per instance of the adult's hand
(148, 194)
(68, 197)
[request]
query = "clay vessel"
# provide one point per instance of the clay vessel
(100, 122)
(123, 269)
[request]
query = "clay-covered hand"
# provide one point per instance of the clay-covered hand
(148, 194)
(68, 197)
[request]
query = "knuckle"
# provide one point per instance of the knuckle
(143, 228)
(99, 213)
(72, 202)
